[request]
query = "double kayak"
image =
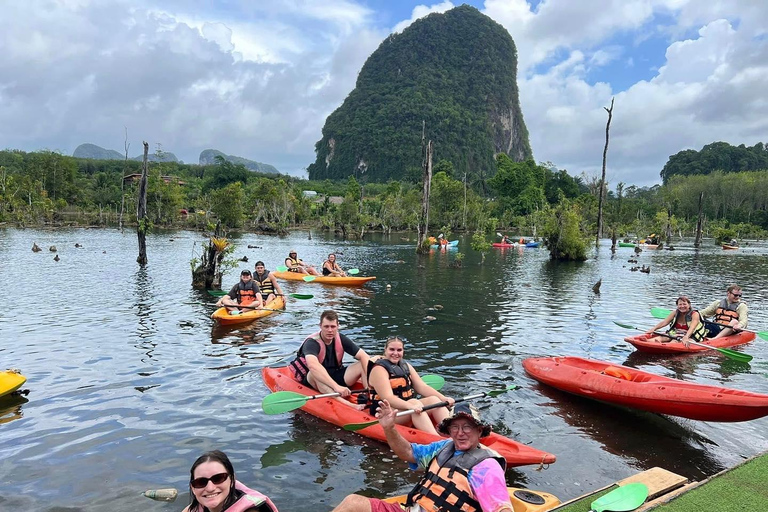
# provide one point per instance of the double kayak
(10, 381)
(340, 281)
(333, 411)
(642, 343)
(628, 387)
(522, 500)
(222, 316)
(452, 243)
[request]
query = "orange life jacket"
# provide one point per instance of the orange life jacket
(246, 295)
(726, 312)
(445, 485)
(299, 365)
(399, 380)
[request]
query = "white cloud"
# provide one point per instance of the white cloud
(422, 10)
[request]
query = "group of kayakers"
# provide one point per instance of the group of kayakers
(457, 470)
(729, 315)
(255, 290)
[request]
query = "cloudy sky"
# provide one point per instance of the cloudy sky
(257, 78)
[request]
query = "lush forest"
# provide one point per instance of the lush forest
(718, 156)
(521, 198)
(456, 72)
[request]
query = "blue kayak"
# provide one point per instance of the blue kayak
(532, 244)
(452, 243)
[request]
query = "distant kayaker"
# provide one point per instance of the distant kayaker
(393, 379)
(441, 241)
(245, 293)
(267, 282)
(730, 313)
(213, 488)
(459, 470)
(684, 323)
(331, 268)
(506, 240)
(295, 264)
(318, 362)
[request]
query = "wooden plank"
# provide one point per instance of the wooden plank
(659, 481)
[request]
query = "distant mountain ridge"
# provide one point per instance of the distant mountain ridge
(207, 157)
(95, 152)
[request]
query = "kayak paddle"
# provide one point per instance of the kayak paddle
(353, 271)
(217, 293)
(285, 401)
(736, 356)
(626, 497)
(300, 296)
(281, 268)
(255, 307)
(309, 279)
(354, 427)
(663, 313)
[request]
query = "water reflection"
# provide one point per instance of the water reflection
(10, 407)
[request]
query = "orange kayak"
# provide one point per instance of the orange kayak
(642, 344)
(730, 247)
(248, 315)
(522, 500)
(629, 387)
(340, 281)
(332, 411)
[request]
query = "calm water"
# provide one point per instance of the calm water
(130, 381)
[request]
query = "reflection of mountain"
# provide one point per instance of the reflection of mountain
(650, 439)
(10, 407)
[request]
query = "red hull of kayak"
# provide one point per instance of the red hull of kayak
(642, 344)
(646, 391)
(497, 244)
(332, 411)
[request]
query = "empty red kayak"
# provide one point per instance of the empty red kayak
(332, 411)
(621, 385)
(497, 244)
(642, 343)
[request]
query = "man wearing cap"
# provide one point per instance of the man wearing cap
(461, 474)
(245, 293)
(295, 264)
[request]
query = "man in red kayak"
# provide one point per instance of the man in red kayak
(245, 293)
(461, 474)
(318, 363)
(730, 314)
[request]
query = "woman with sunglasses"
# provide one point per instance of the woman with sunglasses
(684, 323)
(213, 488)
(392, 378)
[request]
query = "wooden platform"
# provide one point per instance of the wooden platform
(661, 484)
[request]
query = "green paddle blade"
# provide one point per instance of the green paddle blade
(217, 293)
(353, 271)
(282, 401)
(500, 391)
(660, 312)
(281, 268)
(626, 326)
(436, 382)
(626, 497)
(309, 279)
(301, 296)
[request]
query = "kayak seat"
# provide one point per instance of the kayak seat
(617, 372)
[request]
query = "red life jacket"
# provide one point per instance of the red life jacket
(299, 365)
(247, 295)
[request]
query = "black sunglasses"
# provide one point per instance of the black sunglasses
(199, 483)
(736, 294)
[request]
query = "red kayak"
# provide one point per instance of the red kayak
(642, 344)
(628, 387)
(497, 244)
(332, 411)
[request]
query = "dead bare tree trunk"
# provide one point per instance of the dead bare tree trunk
(122, 182)
(697, 241)
(668, 233)
(141, 211)
(602, 180)
(423, 227)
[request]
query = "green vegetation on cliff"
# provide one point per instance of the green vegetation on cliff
(455, 71)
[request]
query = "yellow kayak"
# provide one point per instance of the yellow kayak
(10, 381)
(248, 315)
(522, 500)
(340, 281)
